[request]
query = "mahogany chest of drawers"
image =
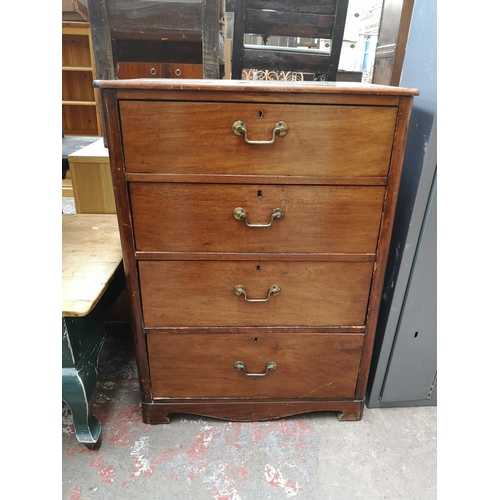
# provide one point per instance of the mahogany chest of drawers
(255, 219)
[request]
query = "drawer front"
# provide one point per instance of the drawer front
(308, 366)
(202, 293)
(170, 217)
(197, 138)
(158, 70)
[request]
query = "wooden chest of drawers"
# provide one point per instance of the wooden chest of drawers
(255, 220)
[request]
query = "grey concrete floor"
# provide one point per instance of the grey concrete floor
(389, 454)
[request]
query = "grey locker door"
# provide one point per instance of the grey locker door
(412, 368)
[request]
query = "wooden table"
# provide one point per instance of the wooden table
(92, 280)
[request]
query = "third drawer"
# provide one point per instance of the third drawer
(274, 293)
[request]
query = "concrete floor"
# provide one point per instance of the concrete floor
(389, 454)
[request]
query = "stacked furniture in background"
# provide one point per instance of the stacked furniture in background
(289, 20)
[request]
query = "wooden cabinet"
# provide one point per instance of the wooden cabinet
(80, 113)
(255, 220)
(146, 39)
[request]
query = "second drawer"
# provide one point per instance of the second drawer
(170, 217)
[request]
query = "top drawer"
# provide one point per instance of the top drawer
(197, 138)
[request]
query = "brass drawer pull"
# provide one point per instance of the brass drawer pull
(241, 290)
(240, 366)
(240, 214)
(280, 129)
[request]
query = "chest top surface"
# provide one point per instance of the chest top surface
(339, 88)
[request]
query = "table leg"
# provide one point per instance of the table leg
(78, 387)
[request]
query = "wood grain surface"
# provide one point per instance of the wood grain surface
(171, 217)
(91, 252)
(197, 138)
(308, 365)
(200, 293)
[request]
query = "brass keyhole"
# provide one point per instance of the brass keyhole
(261, 113)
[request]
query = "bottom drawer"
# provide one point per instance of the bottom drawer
(308, 366)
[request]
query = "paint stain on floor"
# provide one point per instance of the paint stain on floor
(210, 455)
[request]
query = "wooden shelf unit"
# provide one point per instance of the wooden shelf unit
(80, 108)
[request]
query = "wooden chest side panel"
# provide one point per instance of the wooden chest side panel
(201, 293)
(197, 138)
(171, 217)
(202, 365)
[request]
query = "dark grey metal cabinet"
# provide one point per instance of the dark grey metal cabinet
(404, 363)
